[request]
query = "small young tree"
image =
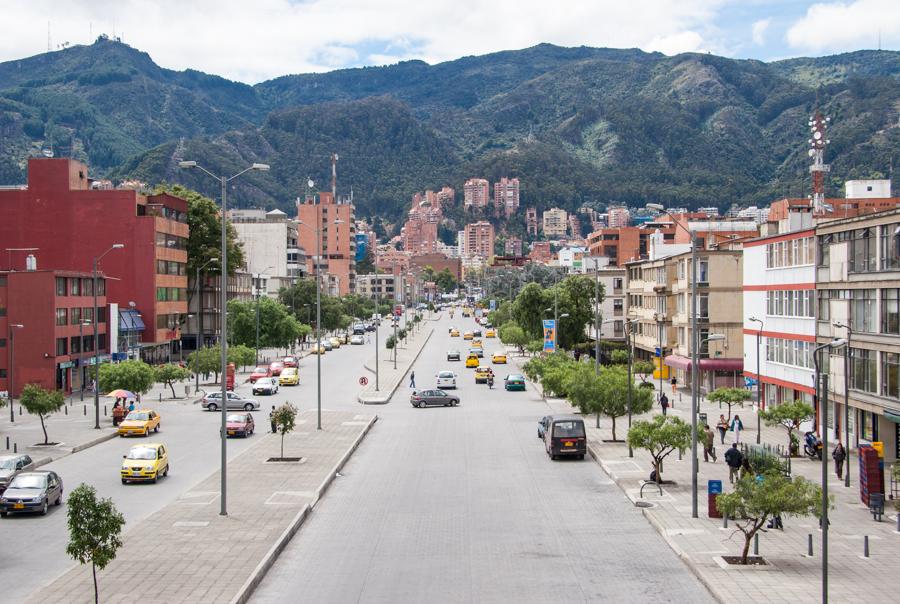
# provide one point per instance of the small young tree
(642, 369)
(729, 396)
(534, 346)
(755, 499)
(168, 374)
(789, 416)
(240, 355)
(285, 419)
(136, 376)
(618, 357)
(41, 402)
(513, 335)
(94, 529)
(660, 436)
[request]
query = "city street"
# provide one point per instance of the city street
(463, 505)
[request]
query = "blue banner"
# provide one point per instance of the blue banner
(549, 335)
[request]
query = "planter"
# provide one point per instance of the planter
(734, 563)
(284, 460)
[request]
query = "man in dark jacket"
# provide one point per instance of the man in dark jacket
(734, 458)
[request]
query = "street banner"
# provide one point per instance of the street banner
(549, 335)
(493, 305)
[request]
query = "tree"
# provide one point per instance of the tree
(528, 309)
(41, 402)
(619, 357)
(576, 297)
(136, 376)
(240, 355)
(660, 436)
(207, 360)
(168, 374)
(642, 369)
(755, 499)
(534, 346)
(513, 335)
(445, 281)
(285, 419)
(606, 393)
(94, 529)
(729, 396)
(789, 416)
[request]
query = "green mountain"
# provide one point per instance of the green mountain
(576, 125)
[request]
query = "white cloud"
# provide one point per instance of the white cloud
(759, 31)
(840, 26)
(252, 41)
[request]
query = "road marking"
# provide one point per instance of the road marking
(288, 497)
(206, 497)
(354, 423)
(190, 523)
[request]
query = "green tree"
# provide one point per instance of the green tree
(136, 376)
(660, 436)
(41, 402)
(513, 335)
(95, 527)
(277, 328)
(239, 354)
(789, 416)
(534, 346)
(206, 360)
(729, 396)
(642, 369)
(528, 310)
(168, 374)
(756, 499)
(445, 281)
(619, 357)
(576, 297)
(285, 420)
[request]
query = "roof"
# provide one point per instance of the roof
(130, 321)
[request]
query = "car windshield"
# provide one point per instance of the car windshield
(138, 416)
(8, 464)
(142, 453)
(568, 429)
(261, 369)
(238, 419)
(28, 481)
(446, 374)
(517, 378)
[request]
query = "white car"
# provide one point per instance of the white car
(446, 379)
(266, 386)
(357, 339)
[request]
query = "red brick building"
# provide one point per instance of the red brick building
(52, 347)
(70, 223)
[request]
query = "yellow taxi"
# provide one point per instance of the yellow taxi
(139, 422)
(482, 374)
(472, 361)
(498, 358)
(477, 344)
(290, 376)
(468, 335)
(335, 342)
(490, 333)
(454, 333)
(145, 462)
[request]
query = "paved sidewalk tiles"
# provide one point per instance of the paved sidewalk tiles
(187, 552)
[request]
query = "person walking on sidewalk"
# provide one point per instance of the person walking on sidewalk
(272, 420)
(709, 444)
(734, 458)
(664, 402)
(736, 426)
(839, 455)
(722, 427)
(674, 382)
(412, 380)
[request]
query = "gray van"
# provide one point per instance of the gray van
(564, 436)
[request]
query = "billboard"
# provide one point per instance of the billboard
(549, 335)
(362, 247)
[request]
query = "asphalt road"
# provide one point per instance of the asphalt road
(463, 505)
(32, 548)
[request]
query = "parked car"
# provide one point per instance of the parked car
(10, 465)
(357, 340)
(433, 398)
(32, 492)
(263, 371)
(213, 402)
(564, 436)
(514, 381)
(239, 424)
(145, 462)
(446, 379)
(290, 362)
(267, 385)
(498, 358)
(289, 377)
(140, 422)
(275, 367)
(328, 346)
(453, 355)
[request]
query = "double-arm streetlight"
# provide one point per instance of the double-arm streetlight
(115, 246)
(629, 343)
(758, 380)
(846, 400)
(258, 285)
(12, 361)
(223, 300)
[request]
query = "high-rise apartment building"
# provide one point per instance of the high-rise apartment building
(420, 233)
(555, 222)
(476, 193)
(512, 247)
(271, 248)
(446, 197)
(506, 195)
(619, 217)
(337, 222)
(480, 239)
(531, 221)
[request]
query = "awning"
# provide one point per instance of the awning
(130, 321)
(892, 415)
(684, 363)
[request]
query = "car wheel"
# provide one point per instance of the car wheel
(581, 456)
(166, 471)
(156, 428)
(124, 481)
(248, 407)
(58, 500)
(455, 403)
(146, 432)
(211, 407)
(421, 404)
(44, 508)
(3, 514)
(155, 478)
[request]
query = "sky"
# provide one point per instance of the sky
(255, 40)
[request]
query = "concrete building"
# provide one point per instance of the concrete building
(271, 248)
(555, 223)
(480, 239)
(531, 222)
(70, 224)
(612, 309)
(376, 286)
(627, 244)
(204, 322)
(336, 219)
(438, 262)
(858, 284)
(446, 197)
(420, 233)
(571, 258)
(541, 252)
(618, 217)
(512, 247)
(476, 193)
(506, 195)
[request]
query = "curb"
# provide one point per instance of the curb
(378, 401)
(96, 441)
(259, 573)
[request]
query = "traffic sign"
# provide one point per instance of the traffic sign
(363, 381)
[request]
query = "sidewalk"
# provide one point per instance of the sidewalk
(791, 576)
(390, 378)
(187, 552)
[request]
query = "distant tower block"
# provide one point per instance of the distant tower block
(531, 221)
(818, 126)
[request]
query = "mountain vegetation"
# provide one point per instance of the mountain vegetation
(578, 126)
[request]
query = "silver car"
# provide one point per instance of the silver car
(213, 402)
(10, 465)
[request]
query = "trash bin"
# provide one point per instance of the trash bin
(714, 489)
(187, 390)
(701, 420)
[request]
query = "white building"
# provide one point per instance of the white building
(556, 222)
(571, 258)
(612, 309)
(867, 189)
(271, 250)
(377, 286)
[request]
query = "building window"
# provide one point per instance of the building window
(75, 287)
(864, 370)
(62, 316)
(890, 311)
(2, 373)
(824, 250)
(862, 251)
(101, 287)
(88, 343)
(173, 242)
(62, 347)
(2, 311)
(862, 310)
(75, 314)
(770, 261)
(618, 305)
(703, 306)
(76, 344)
(87, 314)
(2, 342)
(101, 315)
(87, 287)
(60, 286)
(703, 271)
(617, 283)
(890, 375)
(890, 246)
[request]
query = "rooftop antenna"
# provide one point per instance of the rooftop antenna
(818, 125)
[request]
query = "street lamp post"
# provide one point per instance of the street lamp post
(81, 325)
(12, 360)
(197, 342)
(822, 390)
(846, 401)
(629, 342)
(597, 320)
(758, 381)
(114, 246)
(223, 301)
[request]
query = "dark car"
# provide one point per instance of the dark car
(542, 425)
(477, 333)
(564, 435)
(433, 398)
(10, 465)
(32, 492)
(514, 381)
(452, 355)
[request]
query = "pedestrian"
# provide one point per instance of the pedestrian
(664, 402)
(674, 382)
(118, 412)
(272, 420)
(736, 426)
(130, 406)
(839, 455)
(722, 427)
(709, 442)
(412, 380)
(734, 458)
